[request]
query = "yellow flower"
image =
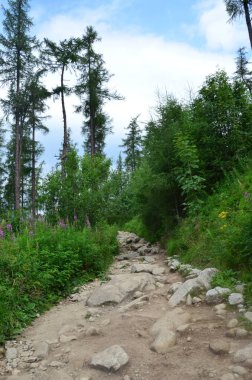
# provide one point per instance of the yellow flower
(223, 214)
(223, 227)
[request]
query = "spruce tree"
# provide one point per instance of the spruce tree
(93, 93)
(16, 62)
(242, 72)
(133, 145)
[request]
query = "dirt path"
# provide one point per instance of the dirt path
(61, 344)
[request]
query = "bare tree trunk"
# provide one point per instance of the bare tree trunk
(248, 20)
(33, 175)
(65, 138)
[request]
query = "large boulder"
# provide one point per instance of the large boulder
(202, 282)
(119, 288)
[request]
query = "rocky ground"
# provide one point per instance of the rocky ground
(145, 322)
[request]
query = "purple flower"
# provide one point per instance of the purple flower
(62, 224)
(1, 234)
(9, 227)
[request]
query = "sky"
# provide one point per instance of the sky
(150, 47)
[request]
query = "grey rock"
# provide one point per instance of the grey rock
(11, 353)
(174, 265)
(41, 350)
(248, 315)
(174, 287)
(92, 331)
(119, 288)
(232, 323)
(149, 259)
(235, 298)
(239, 370)
(243, 354)
(163, 331)
(216, 295)
(219, 347)
(202, 282)
(113, 358)
(148, 268)
(163, 342)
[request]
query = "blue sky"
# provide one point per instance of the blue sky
(149, 46)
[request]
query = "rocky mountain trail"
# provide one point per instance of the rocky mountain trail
(152, 319)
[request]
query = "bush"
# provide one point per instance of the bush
(37, 269)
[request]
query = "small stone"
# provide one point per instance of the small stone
(220, 306)
(126, 377)
(239, 370)
(157, 271)
(113, 358)
(11, 353)
(67, 338)
(137, 294)
(235, 298)
(232, 323)
(41, 350)
(218, 347)
(163, 342)
(221, 312)
(189, 339)
(84, 377)
(105, 322)
(196, 300)
(159, 285)
(241, 333)
(93, 331)
(183, 328)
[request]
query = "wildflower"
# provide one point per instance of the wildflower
(1, 234)
(223, 227)
(223, 214)
(246, 194)
(9, 227)
(31, 233)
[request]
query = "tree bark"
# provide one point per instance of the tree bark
(65, 138)
(248, 20)
(33, 175)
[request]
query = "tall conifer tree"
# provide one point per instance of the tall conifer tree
(16, 62)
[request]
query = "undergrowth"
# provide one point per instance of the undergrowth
(39, 266)
(220, 235)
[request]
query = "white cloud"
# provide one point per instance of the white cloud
(215, 27)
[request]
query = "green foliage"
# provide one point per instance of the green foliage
(226, 279)
(220, 234)
(40, 266)
(133, 145)
(187, 173)
(137, 226)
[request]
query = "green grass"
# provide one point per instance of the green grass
(220, 235)
(37, 270)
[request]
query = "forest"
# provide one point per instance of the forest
(185, 179)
